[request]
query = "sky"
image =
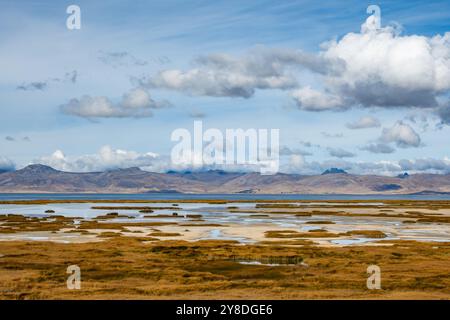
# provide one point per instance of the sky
(347, 88)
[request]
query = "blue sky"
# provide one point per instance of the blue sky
(123, 46)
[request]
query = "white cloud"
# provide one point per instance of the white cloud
(309, 99)
(384, 167)
(371, 68)
(6, 164)
(107, 158)
(138, 99)
(426, 165)
(384, 68)
(364, 122)
(403, 135)
(340, 153)
(381, 68)
(136, 103)
(223, 75)
(296, 163)
(378, 148)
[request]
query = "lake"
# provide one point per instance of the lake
(182, 196)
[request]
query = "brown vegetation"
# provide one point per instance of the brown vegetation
(128, 268)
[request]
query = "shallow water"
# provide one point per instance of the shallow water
(347, 242)
(218, 214)
(217, 234)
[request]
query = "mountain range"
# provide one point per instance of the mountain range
(42, 179)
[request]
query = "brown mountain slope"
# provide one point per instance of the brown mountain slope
(39, 178)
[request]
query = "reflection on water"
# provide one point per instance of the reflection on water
(217, 234)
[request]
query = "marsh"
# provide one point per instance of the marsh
(234, 249)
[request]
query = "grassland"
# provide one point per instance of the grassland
(158, 260)
(134, 268)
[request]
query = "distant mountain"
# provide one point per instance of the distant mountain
(40, 178)
(334, 171)
(403, 175)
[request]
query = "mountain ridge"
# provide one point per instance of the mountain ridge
(45, 179)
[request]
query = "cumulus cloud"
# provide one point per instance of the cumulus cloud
(6, 164)
(309, 99)
(9, 138)
(137, 103)
(376, 67)
(296, 164)
(426, 165)
(340, 153)
(106, 158)
(381, 68)
(403, 135)
(378, 148)
(364, 122)
(223, 75)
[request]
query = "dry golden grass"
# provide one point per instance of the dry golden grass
(18, 223)
(164, 234)
(134, 268)
(320, 222)
(366, 233)
(143, 267)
